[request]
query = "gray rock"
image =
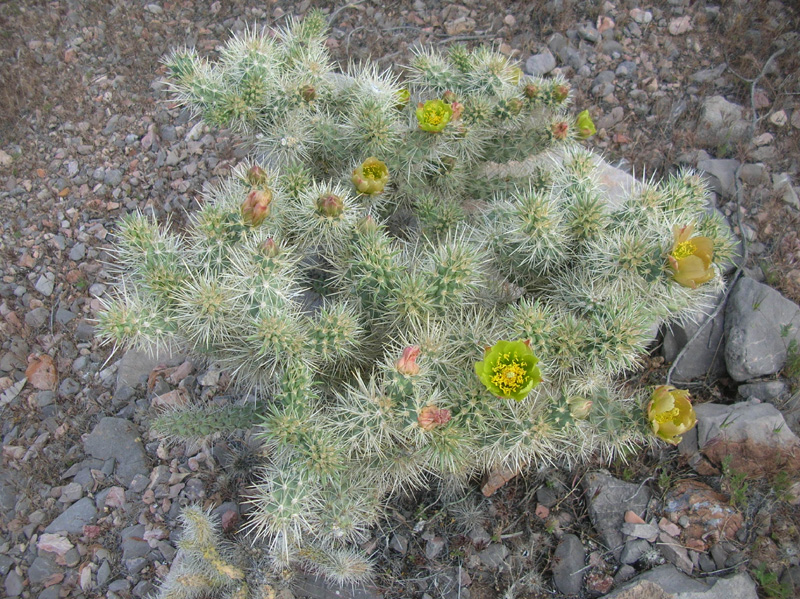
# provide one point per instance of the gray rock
(315, 587)
(546, 496)
(134, 368)
(611, 46)
(675, 553)
(494, 555)
(133, 543)
(399, 543)
(112, 177)
(765, 390)
(567, 564)
(666, 582)
(37, 317)
(77, 252)
(434, 547)
(6, 563)
(705, 357)
(74, 518)
(706, 75)
(144, 588)
(760, 324)
(639, 531)
(754, 174)
(782, 186)
(626, 68)
(119, 439)
(68, 388)
(103, 573)
(722, 175)
(609, 499)
(13, 584)
(589, 33)
(633, 551)
(540, 64)
(41, 569)
(64, 316)
(45, 284)
(721, 123)
(51, 592)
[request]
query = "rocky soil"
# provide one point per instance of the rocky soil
(89, 500)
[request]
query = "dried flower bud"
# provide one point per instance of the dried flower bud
(308, 93)
(458, 109)
(269, 248)
(257, 176)
(560, 130)
(407, 364)
(560, 92)
(256, 207)
(449, 97)
(514, 105)
(579, 407)
(531, 91)
(330, 205)
(430, 417)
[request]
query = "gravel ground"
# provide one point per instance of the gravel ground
(88, 135)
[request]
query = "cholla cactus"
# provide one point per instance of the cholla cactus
(353, 273)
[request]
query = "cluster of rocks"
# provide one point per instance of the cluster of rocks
(89, 502)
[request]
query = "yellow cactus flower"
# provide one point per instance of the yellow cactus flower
(371, 176)
(690, 258)
(434, 115)
(509, 370)
(670, 413)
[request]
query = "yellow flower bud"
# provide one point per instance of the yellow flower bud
(371, 176)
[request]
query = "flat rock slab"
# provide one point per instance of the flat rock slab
(753, 436)
(73, 519)
(567, 565)
(667, 582)
(315, 587)
(609, 498)
(119, 439)
(760, 325)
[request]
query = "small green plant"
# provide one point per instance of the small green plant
(792, 367)
(770, 585)
(411, 283)
(737, 484)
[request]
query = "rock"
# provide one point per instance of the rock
(41, 372)
(74, 518)
(706, 75)
(639, 531)
(399, 543)
(754, 438)
(460, 26)
(674, 552)
(705, 357)
(112, 177)
(77, 252)
(37, 317)
(540, 64)
(41, 569)
(13, 584)
(768, 391)
(316, 587)
(589, 33)
(546, 496)
(134, 368)
(133, 543)
(721, 123)
(723, 175)
(779, 118)
(633, 551)
(782, 187)
(45, 284)
(609, 499)
(760, 324)
(680, 25)
(119, 439)
(494, 555)
(641, 16)
(754, 174)
(567, 565)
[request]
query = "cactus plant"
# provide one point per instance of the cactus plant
(353, 273)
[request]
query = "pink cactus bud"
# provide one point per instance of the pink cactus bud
(256, 207)
(430, 417)
(257, 176)
(407, 364)
(269, 248)
(330, 205)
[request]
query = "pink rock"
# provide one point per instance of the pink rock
(633, 518)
